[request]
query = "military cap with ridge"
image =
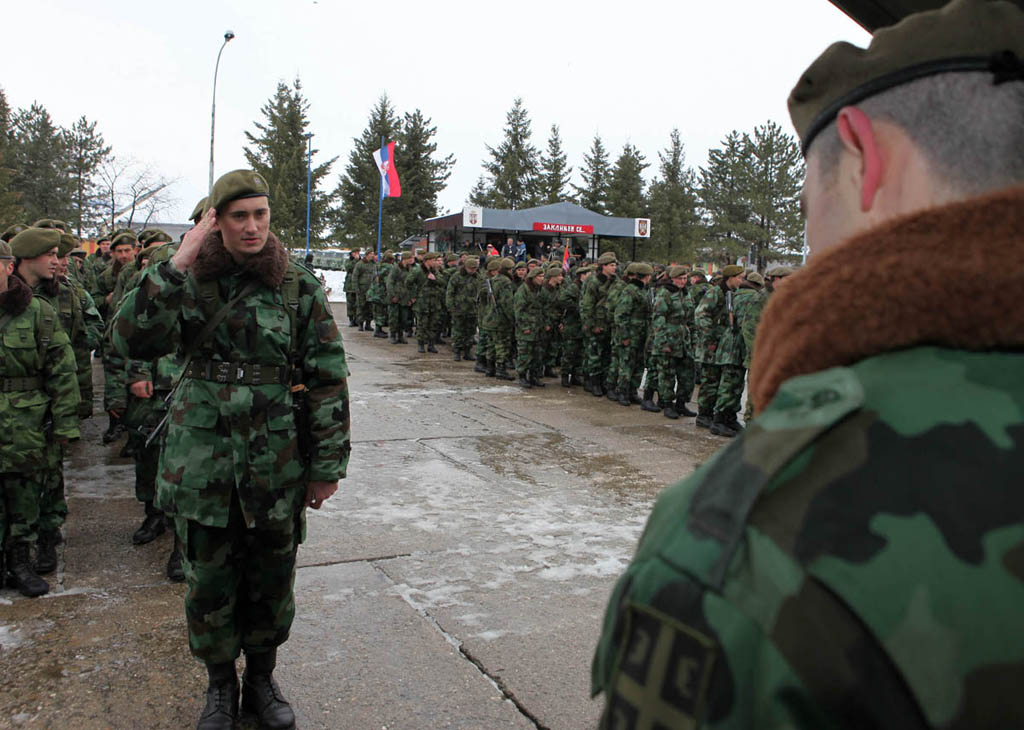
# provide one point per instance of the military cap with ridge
(755, 278)
(520, 265)
(80, 253)
(34, 242)
(389, 257)
(639, 269)
(534, 273)
(699, 274)
(963, 36)
(430, 256)
(236, 185)
(5, 251)
(472, 262)
(676, 271)
(535, 262)
(122, 238)
(52, 223)
(779, 271)
(716, 277)
(153, 235)
(507, 264)
(13, 231)
(732, 270)
(68, 243)
(450, 257)
(198, 211)
(607, 258)
(101, 238)
(494, 263)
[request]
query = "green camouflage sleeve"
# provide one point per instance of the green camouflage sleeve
(147, 323)
(93, 320)
(61, 384)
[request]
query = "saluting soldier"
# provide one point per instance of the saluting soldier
(258, 429)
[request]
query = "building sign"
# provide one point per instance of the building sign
(562, 228)
(472, 217)
(642, 227)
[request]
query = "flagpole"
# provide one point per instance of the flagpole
(380, 203)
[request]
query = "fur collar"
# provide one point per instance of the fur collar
(17, 297)
(947, 276)
(214, 261)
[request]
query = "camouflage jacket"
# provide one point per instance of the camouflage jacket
(593, 311)
(750, 316)
(461, 295)
(362, 276)
(234, 429)
(669, 323)
(500, 313)
(378, 291)
(39, 398)
(632, 314)
(426, 291)
(529, 312)
(350, 280)
(731, 348)
(398, 288)
(66, 299)
(711, 319)
(567, 306)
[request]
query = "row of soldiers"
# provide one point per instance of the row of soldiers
(49, 266)
(648, 336)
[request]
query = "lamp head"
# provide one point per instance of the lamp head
(228, 35)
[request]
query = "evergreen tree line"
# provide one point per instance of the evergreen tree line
(70, 173)
(743, 202)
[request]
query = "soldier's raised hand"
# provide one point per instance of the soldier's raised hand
(193, 240)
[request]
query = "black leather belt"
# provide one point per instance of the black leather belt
(14, 385)
(237, 373)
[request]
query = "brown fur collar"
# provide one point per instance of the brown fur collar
(948, 276)
(16, 298)
(214, 261)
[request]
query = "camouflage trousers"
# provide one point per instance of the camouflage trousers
(730, 389)
(710, 374)
(146, 460)
(673, 378)
(400, 318)
(748, 412)
(463, 329)
(572, 355)
(499, 346)
(53, 507)
(552, 347)
(483, 341)
(351, 306)
(628, 364)
(83, 358)
(529, 356)
(380, 314)
(240, 585)
(598, 356)
(19, 507)
(428, 324)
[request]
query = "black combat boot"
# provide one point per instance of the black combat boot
(671, 412)
(536, 381)
(549, 372)
(379, 332)
(647, 403)
(718, 425)
(46, 551)
(596, 387)
(703, 419)
(624, 399)
(393, 338)
(151, 528)
(467, 354)
(490, 368)
(681, 408)
(612, 392)
(481, 364)
(430, 346)
(401, 340)
(114, 429)
(456, 354)
(221, 709)
(502, 373)
(23, 575)
(360, 326)
(420, 347)
(260, 694)
(588, 384)
(175, 570)
(524, 382)
(565, 380)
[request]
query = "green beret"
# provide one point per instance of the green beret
(52, 223)
(519, 265)
(153, 235)
(639, 269)
(471, 262)
(198, 211)
(555, 270)
(122, 238)
(585, 269)
(963, 36)
(68, 243)
(102, 237)
(450, 257)
(5, 251)
(13, 231)
(236, 185)
(430, 256)
(389, 257)
(534, 273)
(494, 263)
(780, 271)
(699, 274)
(607, 258)
(732, 270)
(676, 271)
(755, 278)
(507, 264)
(34, 242)
(79, 252)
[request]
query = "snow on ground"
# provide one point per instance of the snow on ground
(335, 282)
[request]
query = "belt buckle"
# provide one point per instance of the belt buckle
(222, 372)
(255, 374)
(239, 373)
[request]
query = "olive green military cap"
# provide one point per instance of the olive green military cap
(151, 236)
(584, 269)
(12, 231)
(450, 257)
(472, 263)
(102, 237)
(34, 242)
(5, 251)
(388, 257)
(535, 262)
(236, 185)
(755, 278)
(534, 273)
(676, 271)
(430, 256)
(68, 243)
(79, 253)
(124, 237)
(198, 211)
(52, 223)
(780, 271)
(639, 269)
(555, 270)
(519, 265)
(607, 258)
(699, 274)
(717, 276)
(963, 36)
(507, 264)
(732, 270)
(494, 263)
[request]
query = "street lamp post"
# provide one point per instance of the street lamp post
(228, 35)
(309, 187)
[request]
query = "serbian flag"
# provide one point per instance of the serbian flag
(390, 187)
(565, 259)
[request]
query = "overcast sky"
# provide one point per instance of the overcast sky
(630, 71)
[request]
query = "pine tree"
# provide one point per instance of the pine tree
(482, 194)
(515, 164)
(85, 153)
(724, 198)
(423, 175)
(626, 187)
(279, 152)
(39, 158)
(675, 225)
(776, 175)
(594, 192)
(359, 187)
(555, 172)
(10, 211)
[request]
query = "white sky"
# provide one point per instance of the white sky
(629, 70)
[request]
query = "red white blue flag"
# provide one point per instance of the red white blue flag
(565, 258)
(390, 186)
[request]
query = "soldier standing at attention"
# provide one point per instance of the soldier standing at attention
(568, 307)
(363, 275)
(712, 319)
(258, 429)
(629, 327)
(596, 322)
(461, 300)
(37, 385)
(351, 301)
(854, 558)
(529, 314)
(424, 284)
(671, 340)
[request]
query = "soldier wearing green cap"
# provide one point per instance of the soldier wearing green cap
(530, 321)
(38, 403)
(567, 307)
(400, 300)
(351, 303)
(742, 299)
(258, 429)
(853, 558)
(363, 274)
(377, 295)
(497, 321)
(424, 285)
(597, 323)
(630, 320)
(554, 279)
(461, 301)
(711, 318)
(670, 325)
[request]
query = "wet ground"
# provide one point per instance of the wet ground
(456, 580)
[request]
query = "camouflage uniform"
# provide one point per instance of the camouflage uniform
(530, 322)
(671, 342)
(730, 357)
(499, 320)
(567, 309)
(230, 468)
(351, 301)
(749, 319)
(461, 301)
(711, 320)
(629, 336)
(400, 302)
(378, 296)
(594, 314)
(363, 275)
(425, 287)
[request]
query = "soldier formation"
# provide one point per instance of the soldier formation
(647, 337)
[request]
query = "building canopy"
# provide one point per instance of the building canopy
(558, 219)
